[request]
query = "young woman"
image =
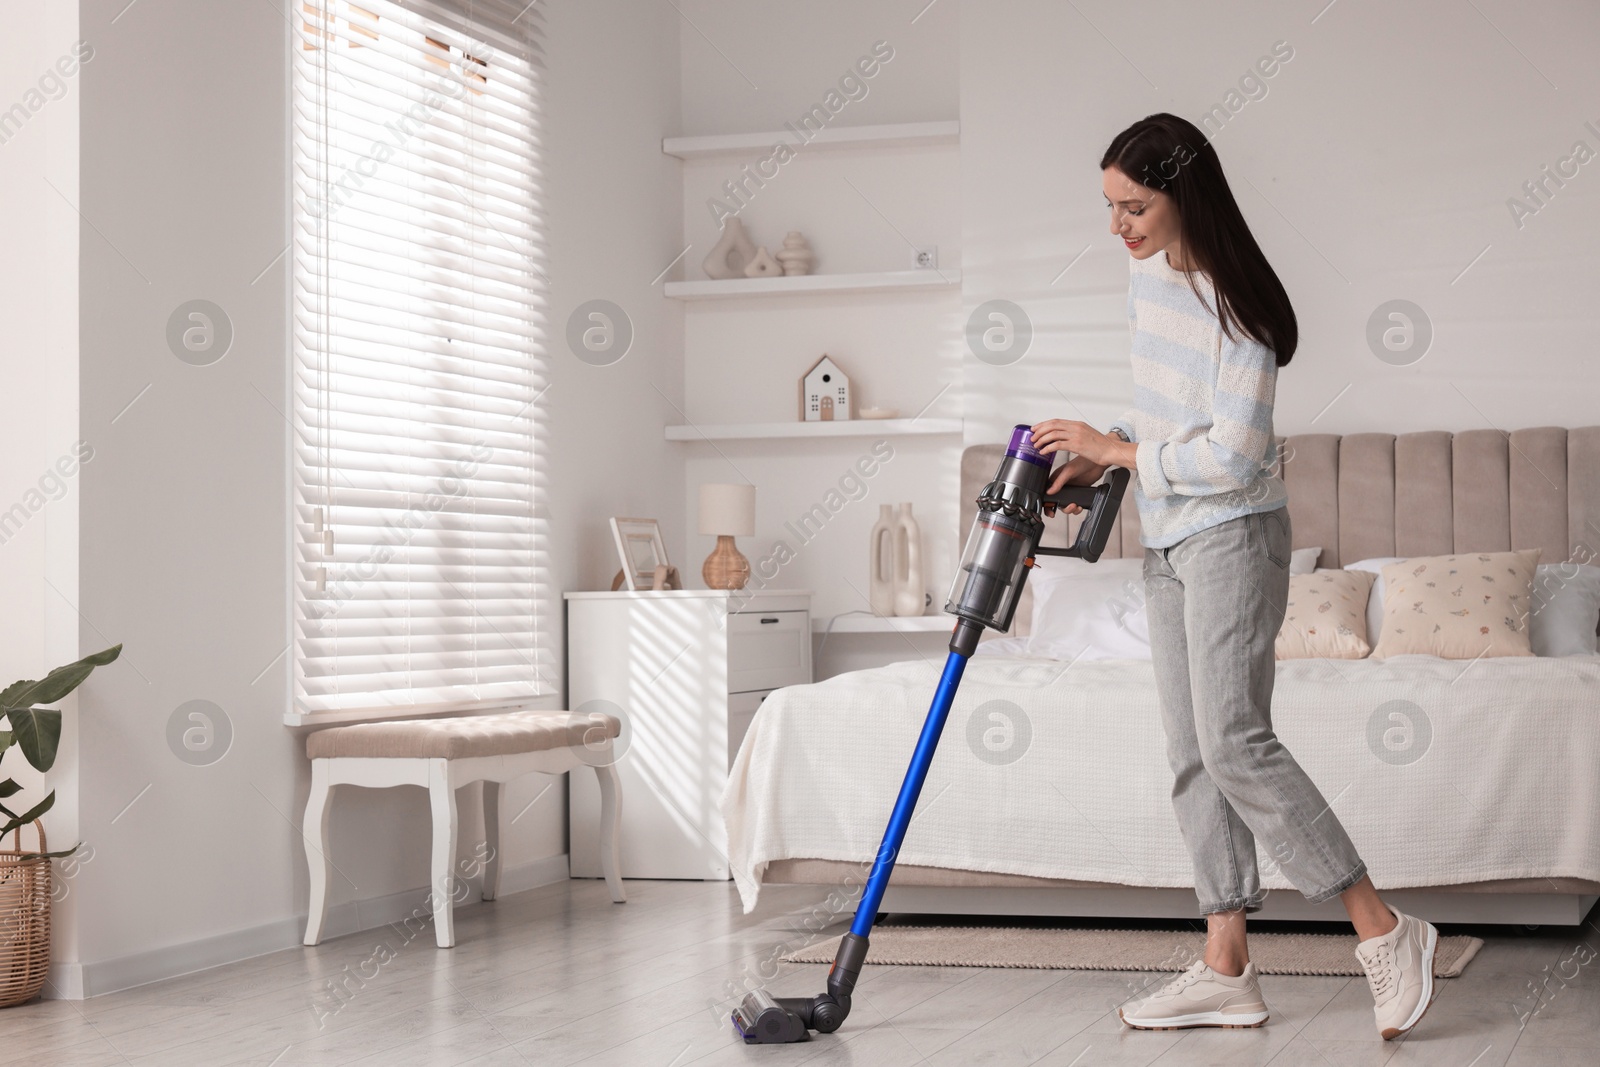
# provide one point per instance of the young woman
(1211, 325)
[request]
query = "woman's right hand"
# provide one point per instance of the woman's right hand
(1076, 471)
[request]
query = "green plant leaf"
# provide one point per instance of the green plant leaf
(9, 787)
(50, 855)
(5, 740)
(58, 683)
(26, 818)
(38, 732)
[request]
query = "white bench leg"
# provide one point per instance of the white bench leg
(442, 800)
(610, 825)
(491, 839)
(314, 834)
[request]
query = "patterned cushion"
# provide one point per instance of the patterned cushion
(458, 738)
(1326, 617)
(1458, 607)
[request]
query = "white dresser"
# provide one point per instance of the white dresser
(685, 671)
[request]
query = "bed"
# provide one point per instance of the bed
(1498, 821)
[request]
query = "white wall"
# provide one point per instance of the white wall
(749, 68)
(1376, 166)
(753, 66)
(39, 403)
(614, 227)
(184, 177)
(183, 519)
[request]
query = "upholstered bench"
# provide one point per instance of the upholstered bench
(442, 755)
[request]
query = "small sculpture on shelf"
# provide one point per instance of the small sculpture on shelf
(762, 265)
(796, 255)
(730, 255)
(825, 394)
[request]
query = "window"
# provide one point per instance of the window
(418, 300)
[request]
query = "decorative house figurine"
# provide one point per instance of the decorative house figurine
(796, 255)
(825, 394)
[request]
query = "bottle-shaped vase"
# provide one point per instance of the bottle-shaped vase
(908, 592)
(880, 574)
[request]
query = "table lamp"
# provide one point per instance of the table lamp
(727, 511)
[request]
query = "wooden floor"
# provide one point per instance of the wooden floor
(561, 975)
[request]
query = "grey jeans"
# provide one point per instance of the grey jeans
(1215, 602)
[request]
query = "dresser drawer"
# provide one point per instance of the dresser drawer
(768, 649)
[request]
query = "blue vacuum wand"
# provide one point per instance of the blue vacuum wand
(994, 565)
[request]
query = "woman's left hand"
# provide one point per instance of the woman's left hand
(1079, 438)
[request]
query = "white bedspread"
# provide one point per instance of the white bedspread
(1507, 785)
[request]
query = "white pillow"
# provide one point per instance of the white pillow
(1564, 612)
(1303, 560)
(1565, 609)
(1088, 610)
(1375, 598)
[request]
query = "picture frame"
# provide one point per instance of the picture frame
(640, 550)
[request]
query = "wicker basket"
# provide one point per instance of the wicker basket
(24, 920)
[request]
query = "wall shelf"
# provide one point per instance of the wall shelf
(886, 136)
(880, 281)
(734, 431)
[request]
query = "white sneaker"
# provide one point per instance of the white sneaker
(1399, 966)
(1201, 996)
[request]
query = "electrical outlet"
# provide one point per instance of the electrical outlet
(925, 258)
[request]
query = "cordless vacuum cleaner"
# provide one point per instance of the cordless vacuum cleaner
(994, 565)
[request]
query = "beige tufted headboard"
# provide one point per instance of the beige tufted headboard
(1377, 494)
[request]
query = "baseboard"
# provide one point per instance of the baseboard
(76, 981)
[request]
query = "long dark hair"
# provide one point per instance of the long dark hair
(1165, 152)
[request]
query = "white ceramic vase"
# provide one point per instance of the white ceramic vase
(908, 592)
(880, 562)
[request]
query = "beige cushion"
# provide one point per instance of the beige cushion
(1326, 617)
(460, 738)
(1459, 606)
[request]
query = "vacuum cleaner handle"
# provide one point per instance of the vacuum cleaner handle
(1099, 503)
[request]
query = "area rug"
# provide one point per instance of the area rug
(1115, 950)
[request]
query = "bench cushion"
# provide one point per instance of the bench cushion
(462, 738)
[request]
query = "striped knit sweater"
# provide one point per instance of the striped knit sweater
(1202, 409)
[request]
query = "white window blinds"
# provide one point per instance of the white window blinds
(418, 305)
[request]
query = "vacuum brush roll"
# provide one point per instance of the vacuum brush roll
(761, 1020)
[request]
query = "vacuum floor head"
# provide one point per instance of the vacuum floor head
(761, 1020)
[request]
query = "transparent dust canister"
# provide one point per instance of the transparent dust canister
(989, 580)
